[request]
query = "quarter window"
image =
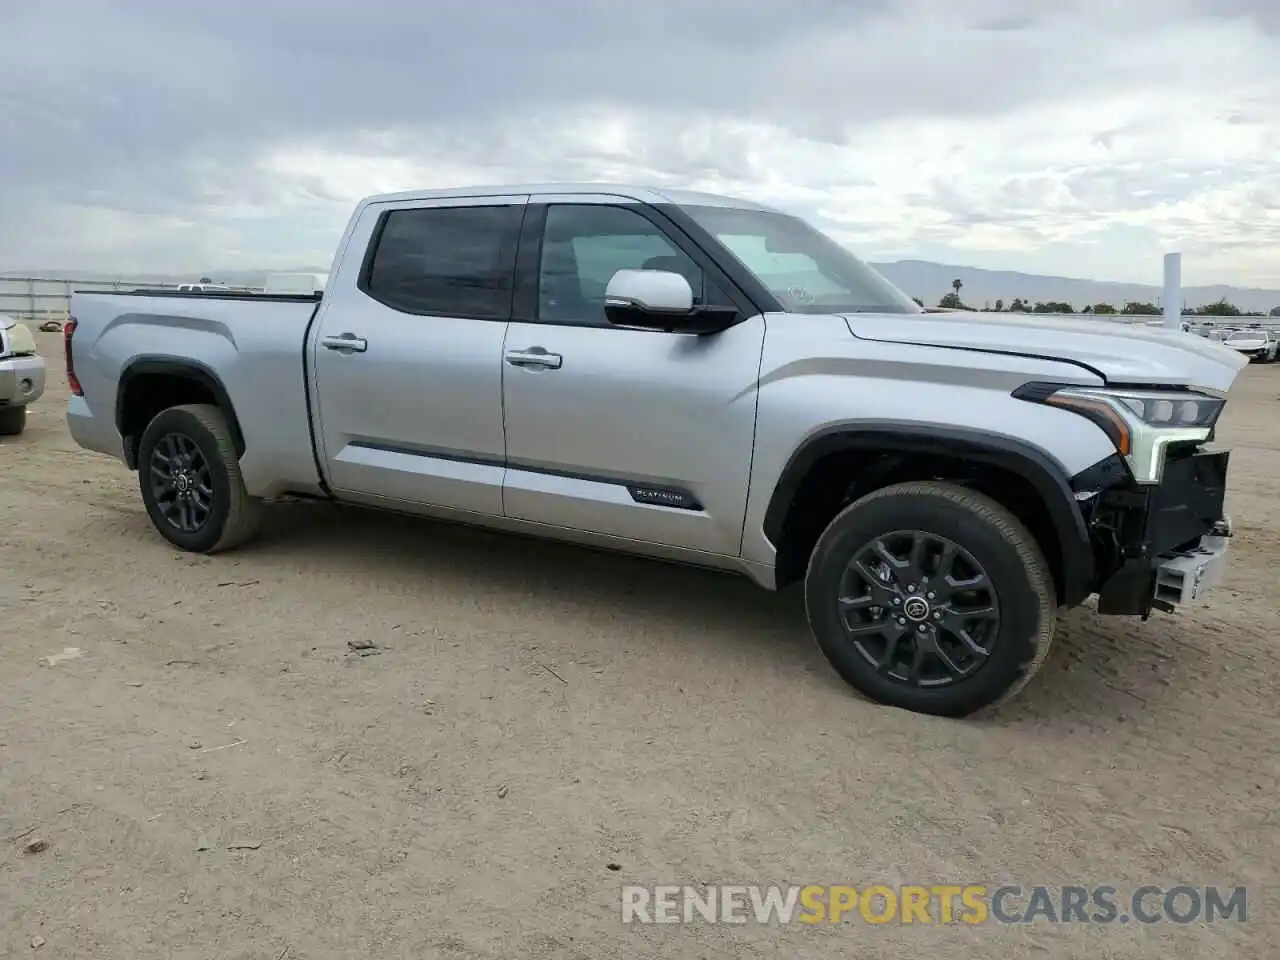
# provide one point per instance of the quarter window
(584, 245)
(446, 261)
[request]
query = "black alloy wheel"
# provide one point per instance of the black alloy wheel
(919, 608)
(181, 482)
(190, 480)
(931, 597)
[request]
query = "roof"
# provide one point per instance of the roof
(640, 194)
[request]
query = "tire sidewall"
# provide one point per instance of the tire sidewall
(186, 423)
(1017, 594)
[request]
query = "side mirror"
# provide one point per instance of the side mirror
(661, 300)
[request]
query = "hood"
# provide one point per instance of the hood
(15, 338)
(1116, 352)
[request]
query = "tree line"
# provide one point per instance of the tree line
(1222, 308)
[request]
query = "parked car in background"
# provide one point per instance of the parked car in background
(22, 374)
(694, 378)
(202, 287)
(1258, 345)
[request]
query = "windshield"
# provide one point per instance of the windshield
(804, 268)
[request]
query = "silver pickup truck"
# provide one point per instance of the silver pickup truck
(694, 378)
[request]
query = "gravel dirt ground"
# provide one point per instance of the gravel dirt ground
(217, 775)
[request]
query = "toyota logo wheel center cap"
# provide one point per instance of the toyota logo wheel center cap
(916, 609)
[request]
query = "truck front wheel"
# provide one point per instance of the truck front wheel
(190, 480)
(931, 597)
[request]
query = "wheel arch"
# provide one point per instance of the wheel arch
(889, 444)
(173, 381)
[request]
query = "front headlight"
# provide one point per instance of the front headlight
(1166, 408)
(21, 342)
(1142, 424)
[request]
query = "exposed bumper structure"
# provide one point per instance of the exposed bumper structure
(1185, 577)
(1165, 546)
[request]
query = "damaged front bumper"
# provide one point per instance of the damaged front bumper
(1185, 577)
(1157, 547)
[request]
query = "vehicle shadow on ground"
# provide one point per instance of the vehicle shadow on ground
(462, 558)
(1099, 669)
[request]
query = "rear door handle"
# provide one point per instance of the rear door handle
(346, 343)
(534, 357)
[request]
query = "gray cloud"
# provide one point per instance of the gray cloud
(1265, 13)
(122, 84)
(164, 112)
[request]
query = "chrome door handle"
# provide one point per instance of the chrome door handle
(346, 342)
(534, 357)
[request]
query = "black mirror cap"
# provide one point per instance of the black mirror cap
(700, 321)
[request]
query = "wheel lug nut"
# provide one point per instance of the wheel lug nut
(896, 601)
(911, 588)
(930, 594)
(922, 628)
(902, 619)
(937, 614)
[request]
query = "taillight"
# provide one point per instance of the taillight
(68, 330)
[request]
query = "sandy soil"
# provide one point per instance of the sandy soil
(537, 713)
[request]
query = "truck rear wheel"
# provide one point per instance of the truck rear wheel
(931, 597)
(13, 420)
(190, 480)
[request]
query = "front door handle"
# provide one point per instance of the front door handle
(346, 343)
(535, 357)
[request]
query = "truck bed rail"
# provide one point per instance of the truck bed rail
(210, 295)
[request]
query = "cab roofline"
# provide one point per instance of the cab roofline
(634, 193)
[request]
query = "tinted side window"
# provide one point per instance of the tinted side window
(446, 261)
(584, 245)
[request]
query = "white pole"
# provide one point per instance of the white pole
(1172, 297)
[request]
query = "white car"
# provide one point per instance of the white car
(22, 375)
(203, 287)
(1259, 345)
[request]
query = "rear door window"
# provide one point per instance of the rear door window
(446, 261)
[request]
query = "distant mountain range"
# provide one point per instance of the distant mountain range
(931, 281)
(918, 278)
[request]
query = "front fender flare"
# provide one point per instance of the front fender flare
(1046, 476)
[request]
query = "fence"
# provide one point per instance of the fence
(38, 299)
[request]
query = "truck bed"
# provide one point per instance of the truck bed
(255, 343)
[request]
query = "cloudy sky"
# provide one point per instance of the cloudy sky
(1075, 137)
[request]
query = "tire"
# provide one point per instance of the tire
(13, 420)
(952, 678)
(222, 513)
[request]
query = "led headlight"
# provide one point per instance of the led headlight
(1172, 409)
(1141, 423)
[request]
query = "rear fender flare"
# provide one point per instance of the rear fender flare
(185, 369)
